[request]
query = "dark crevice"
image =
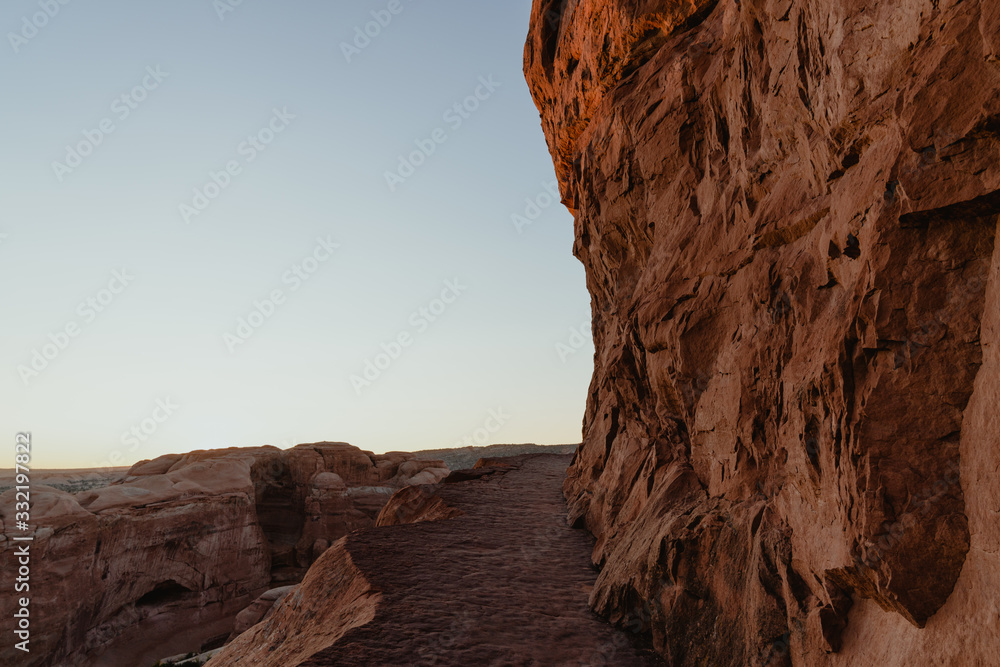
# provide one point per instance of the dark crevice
(812, 443)
(552, 10)
(853, 249)
(164, 593)
(987, 205)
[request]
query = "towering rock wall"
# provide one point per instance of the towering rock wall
(787, 212)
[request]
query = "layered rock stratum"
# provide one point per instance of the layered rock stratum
(787, 212)
(163, 559)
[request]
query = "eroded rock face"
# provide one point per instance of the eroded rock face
(415, 504)
(787, 210)
(164, 559)
(260, 609)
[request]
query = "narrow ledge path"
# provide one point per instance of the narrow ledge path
(503, 585)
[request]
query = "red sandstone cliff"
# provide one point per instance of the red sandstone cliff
(787, 212)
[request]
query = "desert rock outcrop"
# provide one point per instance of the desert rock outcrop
(161, 561)
(787, 212)
(503, 582)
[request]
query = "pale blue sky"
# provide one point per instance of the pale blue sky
(323, 177)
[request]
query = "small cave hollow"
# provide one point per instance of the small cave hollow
(164, 593)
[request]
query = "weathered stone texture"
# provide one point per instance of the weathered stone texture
(787, 212)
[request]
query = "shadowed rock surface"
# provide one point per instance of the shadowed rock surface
(162, 560)
(787, 212)
(259, 609)
(504, 583)
(460, 458)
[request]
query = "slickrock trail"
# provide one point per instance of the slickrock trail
(505, 583)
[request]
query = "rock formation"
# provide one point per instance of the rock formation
(503, 581)
(461, 458)
(163, 560)
(787, 212)
(260, 609)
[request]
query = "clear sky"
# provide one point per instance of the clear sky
(170, 168)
